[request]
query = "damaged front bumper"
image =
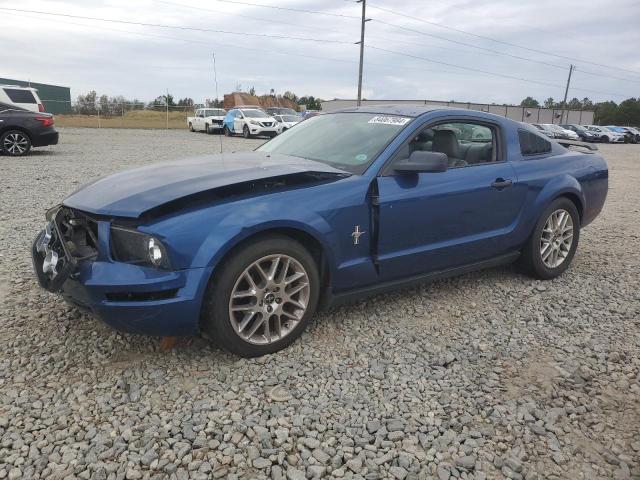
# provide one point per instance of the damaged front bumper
(71, 257)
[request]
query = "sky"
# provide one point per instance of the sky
(414, 49)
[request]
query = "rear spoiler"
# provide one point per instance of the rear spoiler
(575, 143)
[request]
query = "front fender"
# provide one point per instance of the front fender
(216, 247)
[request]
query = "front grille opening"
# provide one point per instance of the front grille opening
(80, 233)
(141, 296)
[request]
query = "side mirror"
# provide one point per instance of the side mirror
(423, 162)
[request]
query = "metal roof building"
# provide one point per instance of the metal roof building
(56, 99)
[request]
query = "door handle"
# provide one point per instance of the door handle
(501, 183)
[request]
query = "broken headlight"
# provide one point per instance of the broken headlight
(132, 246)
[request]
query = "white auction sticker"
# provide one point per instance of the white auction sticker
(390, 120)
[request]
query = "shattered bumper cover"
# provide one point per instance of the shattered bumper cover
(129, 298)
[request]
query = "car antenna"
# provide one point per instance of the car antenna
(215, 77)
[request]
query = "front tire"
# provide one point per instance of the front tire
(245, 132)
(191, 127)
(262, 298)
(15, 143)
(553, 242)
(226, 131)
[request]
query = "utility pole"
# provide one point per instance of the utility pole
(167, 107)
(566, 91)
(361, 42)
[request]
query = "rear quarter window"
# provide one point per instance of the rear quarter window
(532, 144)
(20, 96)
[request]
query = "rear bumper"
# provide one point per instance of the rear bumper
(45, 138)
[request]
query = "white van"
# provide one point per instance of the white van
(23, 97)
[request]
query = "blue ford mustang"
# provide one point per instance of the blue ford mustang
(244, 247)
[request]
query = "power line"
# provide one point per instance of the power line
(177, 27)
(436, 24)
(186, 40)
(298, 10)
(222, 44)
(497, 52)
(486, 72)
(218, 12)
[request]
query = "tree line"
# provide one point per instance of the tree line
(626, 112)
(90, 103)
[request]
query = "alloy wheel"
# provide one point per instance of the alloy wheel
(16, 143)
(556, 238)
(269, 299)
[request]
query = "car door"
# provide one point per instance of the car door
(430, 222)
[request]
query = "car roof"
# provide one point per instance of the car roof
(18, 87)
(418, 110)
(404, 110)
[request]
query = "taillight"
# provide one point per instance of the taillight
(46, 121)
(40, 107)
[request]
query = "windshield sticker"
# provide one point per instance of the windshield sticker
(390, 120)
(361, 157)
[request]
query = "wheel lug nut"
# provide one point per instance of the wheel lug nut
(269, 309)
(278, 300)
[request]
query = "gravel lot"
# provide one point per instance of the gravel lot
(488, 375)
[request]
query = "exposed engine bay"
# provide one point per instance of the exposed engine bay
(68, 238)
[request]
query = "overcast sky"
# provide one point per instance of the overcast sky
(142, 62)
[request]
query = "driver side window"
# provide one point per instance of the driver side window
(465, 143)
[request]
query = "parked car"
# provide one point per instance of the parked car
(207, 120)
(310, 114)
(273, 111)
(23, 97)
(635, 132)
(584, 134)
(22, 129)
(629, 137)
(561, 132)
(245, 246)
(606, 135)
(249, 122)
(546, 131)
(287, 121)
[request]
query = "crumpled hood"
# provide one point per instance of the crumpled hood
(132, 192)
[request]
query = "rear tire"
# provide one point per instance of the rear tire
(249, 315)
(15, 143)
(206, 129)
(553, 242)
(191, 127)
(226, 131)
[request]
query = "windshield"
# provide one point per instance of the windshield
(356, 139)
(255, 113)
(214, 112)
(290, 118)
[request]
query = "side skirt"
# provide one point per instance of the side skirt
(353, 295)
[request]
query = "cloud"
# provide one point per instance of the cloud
(143, 62)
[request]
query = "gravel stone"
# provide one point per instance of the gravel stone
(398, 472)
(434, 381)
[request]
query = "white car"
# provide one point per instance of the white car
(250, 121)
(23, 97)
(287, 121)
(569, 134)
(606, 135)
(207, 120)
